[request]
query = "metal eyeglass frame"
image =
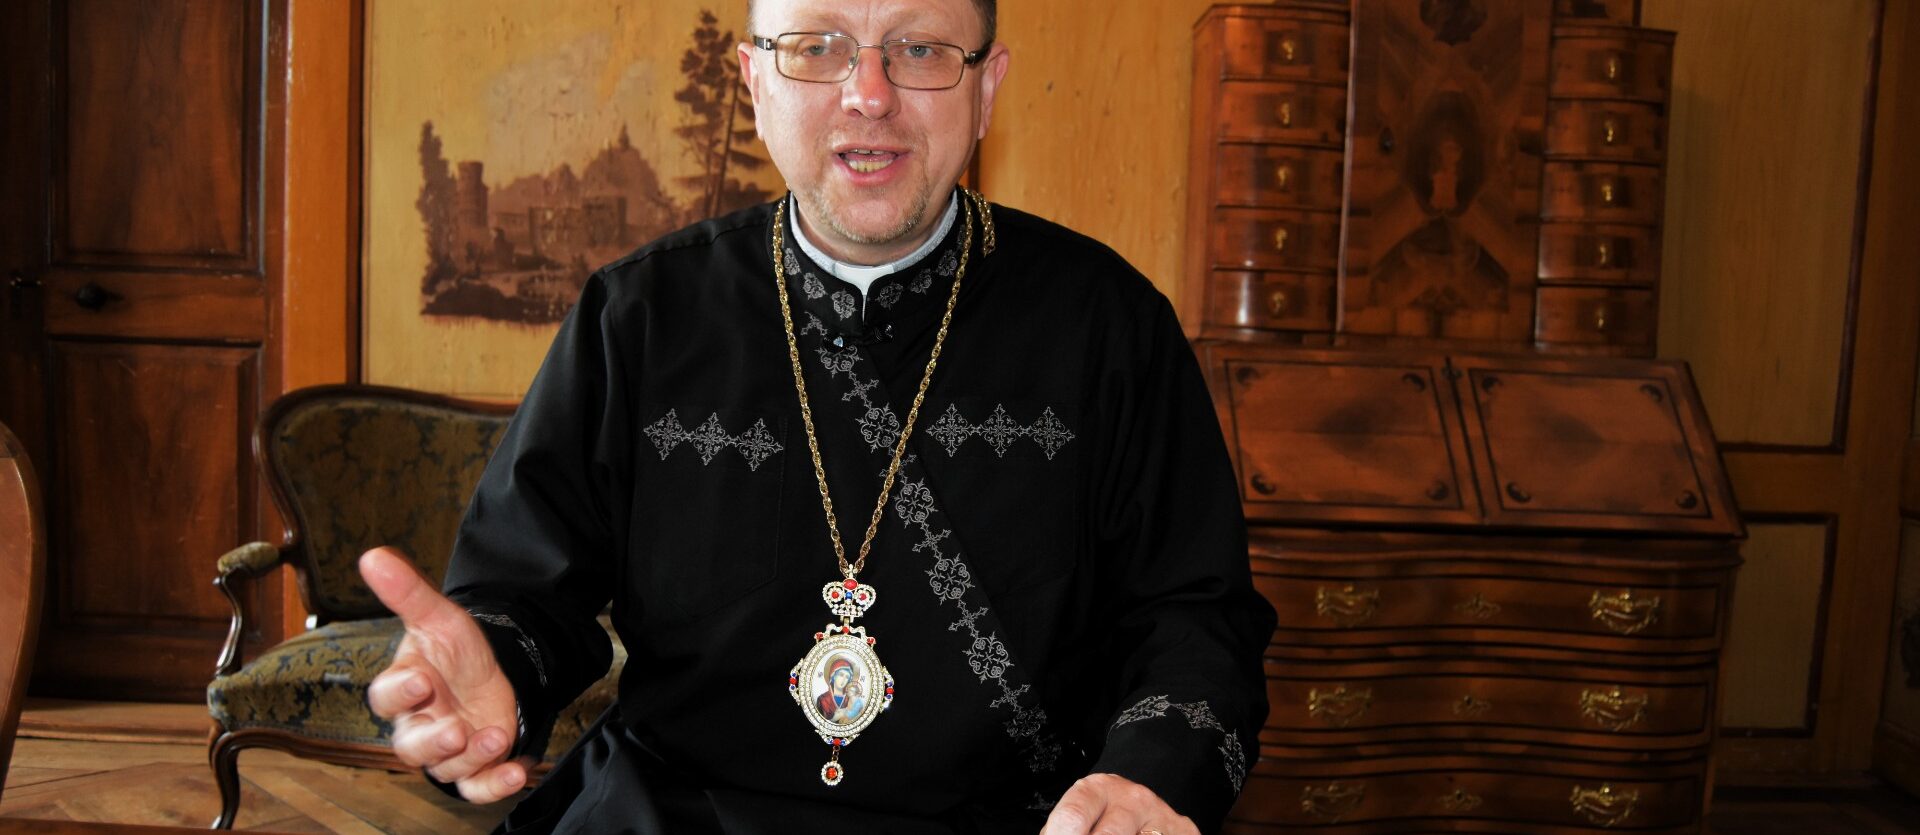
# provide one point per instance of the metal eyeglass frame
(967, 59)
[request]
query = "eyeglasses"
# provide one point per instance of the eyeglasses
(827, 58)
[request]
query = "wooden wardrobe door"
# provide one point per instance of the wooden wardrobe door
(137, 320)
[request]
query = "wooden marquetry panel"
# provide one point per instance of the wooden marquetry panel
(1773, 642)
(173, 179)
(150, 487)
(1764, 174)
(1444, 195)
(1314, 435)
(1593, 447)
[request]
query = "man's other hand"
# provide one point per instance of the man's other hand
(452, 709)
(1108, 804)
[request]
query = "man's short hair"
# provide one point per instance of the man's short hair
(989, 15)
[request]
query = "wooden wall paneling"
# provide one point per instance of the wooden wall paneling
(1897, 743)
(1764, 168)
(1884, 353)
(1896, 754)
(316, 322)
(1772, 657)
(1090, 129)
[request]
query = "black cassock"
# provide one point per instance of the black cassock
(1061, 572)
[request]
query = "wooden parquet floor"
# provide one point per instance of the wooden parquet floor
(154, 771)
(147, 764)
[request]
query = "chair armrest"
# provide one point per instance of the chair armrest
(236, 566)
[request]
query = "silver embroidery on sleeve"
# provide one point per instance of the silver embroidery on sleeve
(1000, 430)
(526, 641)
(756, 444)
(1199, 717)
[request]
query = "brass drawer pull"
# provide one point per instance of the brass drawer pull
(1459, 801)
(1600, 320)
(1280, 239)
(1332, 801)
(1609, 131)
(1609, 195)
(1604, 257)
(1478, 608)
(1613, 67)
(1277, 303)
(1613, 709)
(1347, 606)
(1282, 176)
(1340, 706)
(1286, 114)
(1624, 613)
(1471, 707)
(1289, 51)
(1604, 806)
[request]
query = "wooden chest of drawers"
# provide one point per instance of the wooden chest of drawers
(1485, 174)
(1502, 585)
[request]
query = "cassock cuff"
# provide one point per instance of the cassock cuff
(520, 658)
(1180, 751)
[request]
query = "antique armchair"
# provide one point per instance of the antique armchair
(23, 559)
(350, 467)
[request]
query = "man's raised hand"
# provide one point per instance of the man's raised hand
(452, 709)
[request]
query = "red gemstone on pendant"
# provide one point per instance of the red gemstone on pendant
(851, 585)
(818, 635)
(833, 773)
(869, 642)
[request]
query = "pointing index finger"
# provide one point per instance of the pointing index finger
(403, 591)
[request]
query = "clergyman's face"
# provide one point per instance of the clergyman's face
(866, 159)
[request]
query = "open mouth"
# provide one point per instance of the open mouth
(868, 161)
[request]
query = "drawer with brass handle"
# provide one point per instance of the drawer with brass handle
(1616, 62)
(1377, 703)
(1278, 176)
(1302, 45)
(1271, 300)
(1595, 316)
(1276, 111)
(1276, 239)
(1515, 791)
(1315, 606)
(1597, 129)
(1587, 252)
(1602, 192)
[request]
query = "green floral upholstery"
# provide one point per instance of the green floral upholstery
(352, 467)
(315, 685)
(367, 472)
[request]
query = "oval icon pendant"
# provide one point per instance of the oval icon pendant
(841, 687)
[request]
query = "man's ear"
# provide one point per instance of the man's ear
(992, 71)
(745, 53)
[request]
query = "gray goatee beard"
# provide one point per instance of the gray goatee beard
(830, 216)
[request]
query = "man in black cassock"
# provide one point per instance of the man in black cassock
(1054, 625)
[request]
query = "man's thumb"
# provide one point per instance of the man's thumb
(403, 591)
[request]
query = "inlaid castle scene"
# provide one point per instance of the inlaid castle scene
(520, 251)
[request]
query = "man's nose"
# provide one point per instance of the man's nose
(868, 92)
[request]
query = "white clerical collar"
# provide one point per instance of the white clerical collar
(864, 277)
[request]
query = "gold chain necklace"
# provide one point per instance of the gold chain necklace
(830, 682)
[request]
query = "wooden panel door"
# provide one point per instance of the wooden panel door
(138, 178)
